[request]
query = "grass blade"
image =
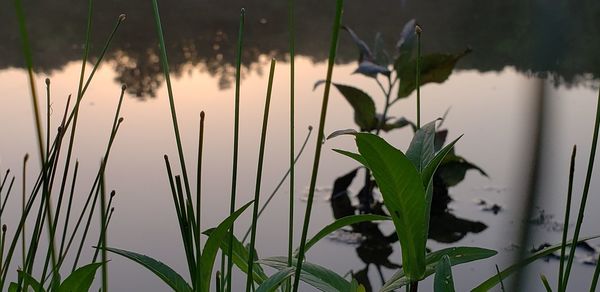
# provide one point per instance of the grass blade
(261, 155)
(320, 135)
(561, 269)
(586, 189)
(236, 127)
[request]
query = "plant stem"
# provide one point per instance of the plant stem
(261, 156)
(236, 128)
(418, 77)
(319, 143)
(586, 189)
(566, 222)
(199, 198)
(292, 35)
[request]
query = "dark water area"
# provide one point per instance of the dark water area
(487, 98)
(559, 39)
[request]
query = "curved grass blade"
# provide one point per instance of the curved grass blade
(319, 277)
(457, 255)
(81, 279)
(240, 257)
(320, 134)
(164, 272)
(211, 247)
(28, 281)
(340, 223)
(443, 281)
(495, 279)
(276, 280)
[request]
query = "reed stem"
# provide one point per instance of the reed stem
(320, 135)
(236, 124)
(261, 156)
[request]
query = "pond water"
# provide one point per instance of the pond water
(489, 96)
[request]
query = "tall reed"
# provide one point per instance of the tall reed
(292, 36)
(320, 136)
(236, 124)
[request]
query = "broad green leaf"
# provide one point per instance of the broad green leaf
(319, 277)
(433, 165)
(240, 257)
(340, 223)
(403, 195)
(29, 281)
(443, 281)
(434, 68)
(427, 177)
(211, 247)
(363, 105)
(457, 255)
(164, 272)
(421, 149)
(81, 279)
(496, 278)
(273, 282)
(352, 155)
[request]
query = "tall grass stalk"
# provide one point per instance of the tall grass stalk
(103, 233)
(261, 156)
(418, 31)
(236, 124)
(320, 135)
(561, 269)
(292, 36)
(586, 189)
(596, 274)
(26, 48)
(23, 190)
(165, 66)
(199, 198)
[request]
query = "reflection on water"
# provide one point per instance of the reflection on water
(201, 35)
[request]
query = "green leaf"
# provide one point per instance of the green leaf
(81, 279)
(240, 256)
(403, 195)
(433, 165)
(340, 223)
(13, 287)
(496, 278)
(353, 155)
(421, 149)
(457, 255)
(164, 272)
(211, 247)
(275, 281)
(363, 105)
(443, 281)
(29, 281)
(434, 68)
(319, 277)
